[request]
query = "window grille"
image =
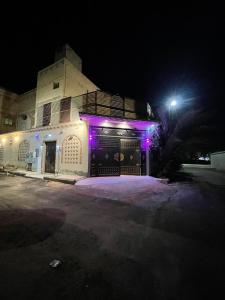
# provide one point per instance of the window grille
(24, 147)
(72, 150)
(65, 106)
(46, 114)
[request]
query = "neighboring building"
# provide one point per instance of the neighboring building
(68, 125)
(7, 110)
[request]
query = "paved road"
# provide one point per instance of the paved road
(206, 175)
(111, 249)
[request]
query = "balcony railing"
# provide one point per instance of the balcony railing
(104, 104)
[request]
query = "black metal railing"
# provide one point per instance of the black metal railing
(104, 104)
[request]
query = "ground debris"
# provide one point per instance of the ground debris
(55, 263)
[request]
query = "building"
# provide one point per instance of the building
(67, 125)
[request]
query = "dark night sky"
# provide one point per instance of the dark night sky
(146, 52)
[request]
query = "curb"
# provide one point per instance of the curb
(67, 181)
(163, 180)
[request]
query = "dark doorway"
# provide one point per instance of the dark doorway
(50, 157)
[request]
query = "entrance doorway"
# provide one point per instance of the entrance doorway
(105, 156)
(130, 157)
(116, 152)
(50, 157)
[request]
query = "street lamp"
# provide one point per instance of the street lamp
(173, 103)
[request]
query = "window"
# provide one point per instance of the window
(23, 150)
(8, 121)
(65, 106)
(55, 85)
(1, 153)
(46, 114)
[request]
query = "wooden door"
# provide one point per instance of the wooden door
(50, 157)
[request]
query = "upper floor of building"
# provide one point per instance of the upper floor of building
(61, 94)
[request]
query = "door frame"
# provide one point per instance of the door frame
(45, 152)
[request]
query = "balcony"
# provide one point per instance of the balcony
(103, 104)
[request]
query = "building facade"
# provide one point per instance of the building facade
(67, 125)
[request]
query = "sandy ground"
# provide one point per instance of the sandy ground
(147, 242)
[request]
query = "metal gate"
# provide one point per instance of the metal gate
(105, 156)
(130, 157)
(116, 152)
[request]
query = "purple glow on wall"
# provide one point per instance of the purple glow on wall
(37, 136)
(94, 120)
(148, 128)
(146, 143)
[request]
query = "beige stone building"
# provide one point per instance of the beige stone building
(67, 125)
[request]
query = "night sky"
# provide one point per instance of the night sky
(143, 51)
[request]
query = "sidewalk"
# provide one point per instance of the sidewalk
(69, 179)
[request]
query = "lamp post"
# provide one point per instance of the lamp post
(172, 106)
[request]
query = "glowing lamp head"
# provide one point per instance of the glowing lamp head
(16, 138)
(173, 103)
(90, 137)
(147, 141)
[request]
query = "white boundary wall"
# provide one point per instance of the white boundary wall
(218, 160)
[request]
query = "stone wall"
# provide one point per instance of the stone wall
(71, 148)
(76, 83)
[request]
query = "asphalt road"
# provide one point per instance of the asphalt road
(170, 247)
(207, 175)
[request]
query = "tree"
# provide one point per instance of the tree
(191, 131)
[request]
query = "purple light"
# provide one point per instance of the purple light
(94, 120)
(37, 136)
(90, 137)
(147, 141)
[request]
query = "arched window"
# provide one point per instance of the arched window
(71, 150)
(1, 154)
(24, 147)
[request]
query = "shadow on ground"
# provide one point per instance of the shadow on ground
(24, 227)
(181, 177)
